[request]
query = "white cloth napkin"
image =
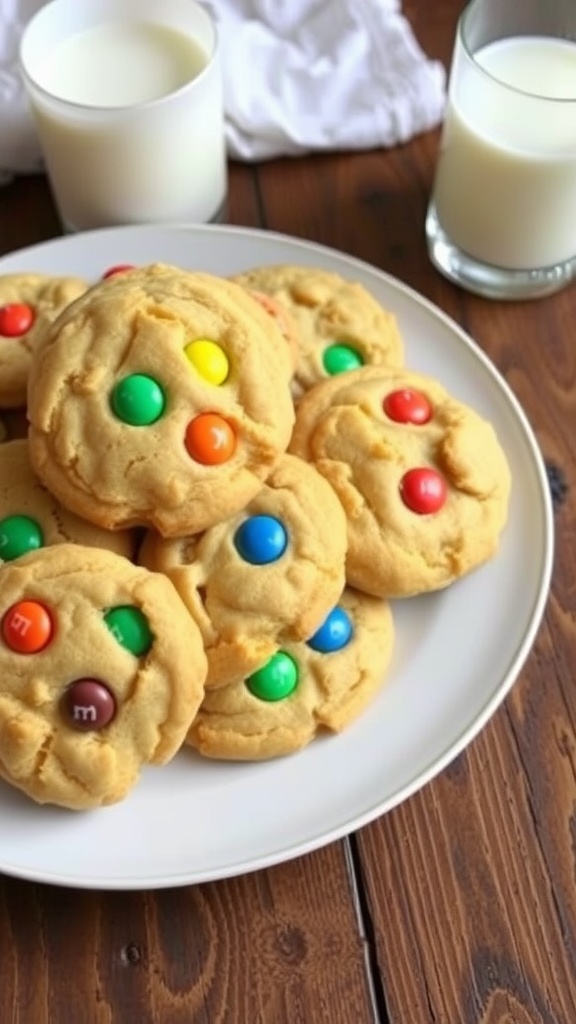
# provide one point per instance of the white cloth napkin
(299, 76)
(305, 75)
(18, 145)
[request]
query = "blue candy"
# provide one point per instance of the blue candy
(334, 633)
(260, 540)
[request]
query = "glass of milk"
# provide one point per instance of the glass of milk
(502, 216)
(127, 100)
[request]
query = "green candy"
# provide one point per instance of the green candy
(138, 400)
(18, 535)
(130, 628)
(276, 679)
(340, 358)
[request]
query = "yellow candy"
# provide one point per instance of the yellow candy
(208, 359)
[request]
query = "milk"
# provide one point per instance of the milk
(121, 64)
(505, 188)
(129, 110)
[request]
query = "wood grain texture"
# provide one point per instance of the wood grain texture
(27, 213)
(281, 946)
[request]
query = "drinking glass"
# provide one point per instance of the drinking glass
(127, 99)
(502, 216)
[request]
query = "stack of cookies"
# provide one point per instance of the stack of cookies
(223, 485)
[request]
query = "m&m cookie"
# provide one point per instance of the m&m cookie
(303, 689)
(423, 478)
(31, 517)
(339, 325)
(28, 304)
(162, 399)
(101, 672)
(284, 321)
(266, 575)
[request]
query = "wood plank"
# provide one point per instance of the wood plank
(476, 872)
(27, 213)
(281, 945)
(243, 207)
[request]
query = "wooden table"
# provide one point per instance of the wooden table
(459, 906)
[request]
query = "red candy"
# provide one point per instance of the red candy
(423, 490)
(407, 406)
(15, 319)
(88, 705)
(119, 268)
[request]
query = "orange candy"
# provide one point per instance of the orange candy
(210, 439)
(274, 309)
(27, 627)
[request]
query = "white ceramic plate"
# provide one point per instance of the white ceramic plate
(457, 652)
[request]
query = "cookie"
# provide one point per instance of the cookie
(29, 303)
(31, 517)
(339, 324)
(423, 478)
(284, 321)
(305, 688)
(266, 575)
(161, 399)
(101, 673)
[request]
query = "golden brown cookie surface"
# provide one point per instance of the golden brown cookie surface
(29, 303)
(422, 477)
(339, 324)
(101, 672)
(31, 517)
(283, 319)
(266, 575)
(303, 689)
(163, 399)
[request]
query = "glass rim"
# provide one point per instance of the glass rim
(95, 109)
(461, 34)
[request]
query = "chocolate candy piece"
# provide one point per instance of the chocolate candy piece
(423, 490)
(340, 358)
(406, 405)
(138, 400)
(19, 534)
(209, 360)
(118, 268)
(88, 705)
(16, 319)
(335, 632)
(130, 627)
(261, 540)
(27, 627)
(276, 679)
(210, 439)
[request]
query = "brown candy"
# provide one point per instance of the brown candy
(89, 704)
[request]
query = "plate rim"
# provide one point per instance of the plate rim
(456, 745)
